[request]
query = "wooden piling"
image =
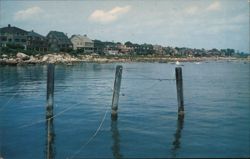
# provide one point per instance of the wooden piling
(50, 148)
(49, 112)
(50, 91)
(116, 91)
(179, 87)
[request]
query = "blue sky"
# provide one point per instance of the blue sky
(183, 23)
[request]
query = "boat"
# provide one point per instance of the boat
(178, 63)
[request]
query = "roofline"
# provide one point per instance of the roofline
(14, 28)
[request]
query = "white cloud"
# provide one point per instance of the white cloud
(214, 6)
(108, 16)
(29, 13)
(192, 10)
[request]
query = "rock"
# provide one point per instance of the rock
(11, 62)
(19, 60)
(4, 55)
(2, 62)
(45, 58)
(32, 60)
(50, 58)
(22, 56)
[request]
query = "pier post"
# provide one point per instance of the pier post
(179, 87)
(49, 112)
(50, 91)
(116, 91)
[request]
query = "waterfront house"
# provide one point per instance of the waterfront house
(12, 36)
(158, 49)
(111, 48)
(82, 43)
(145, 49)
(58, 41)
(123, 49)
(36, 42)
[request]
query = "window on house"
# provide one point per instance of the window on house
(9, 40)
(23, 40)
(17, 40)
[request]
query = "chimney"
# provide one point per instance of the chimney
(9, 25)
(85, 35)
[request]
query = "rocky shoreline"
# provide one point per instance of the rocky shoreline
(65, 58)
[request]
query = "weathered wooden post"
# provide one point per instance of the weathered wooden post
(179, 86)
(49, 112)
(116, 91)
(50, 91)
(50, 150)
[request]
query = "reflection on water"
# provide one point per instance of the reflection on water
(116, 140)
(177, 135)
(50, 138)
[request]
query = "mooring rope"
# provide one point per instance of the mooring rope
(56, 115)
(151, 79)
(12, 97)
(43, 120)
(92, 137)
(145, 77)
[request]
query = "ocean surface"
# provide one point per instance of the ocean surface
(216, 101)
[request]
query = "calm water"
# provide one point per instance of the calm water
(216, 123)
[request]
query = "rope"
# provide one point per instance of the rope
(58, 114)
(43, 120)
(157, 79)
(92, 137)
(11, 98)
(145, 78)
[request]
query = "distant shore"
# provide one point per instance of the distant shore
(65, 58)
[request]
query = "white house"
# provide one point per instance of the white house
(82, 42)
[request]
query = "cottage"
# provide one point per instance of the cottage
(111, 48)
(82, 43)
(123, 49)
(13, 37)
(36, 42)
(158, 49)
(58, 41)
